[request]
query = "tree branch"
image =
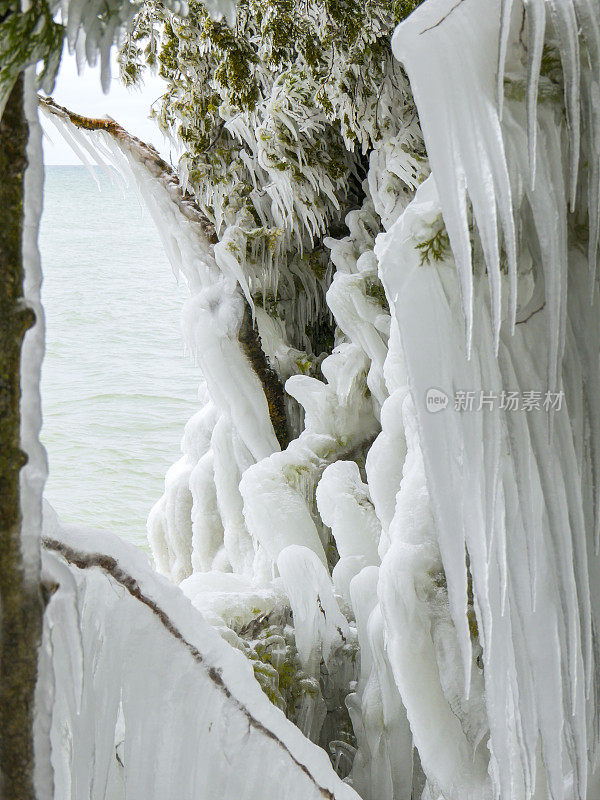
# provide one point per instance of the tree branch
(111, 568)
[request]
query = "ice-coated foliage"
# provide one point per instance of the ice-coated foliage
(416, 586)
(275, 117)
(32, 33)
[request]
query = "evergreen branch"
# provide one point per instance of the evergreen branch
(26, 38)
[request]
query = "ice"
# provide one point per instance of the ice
(170, 521)
(319, 626)
(362, 319)
(167, 709)
(564, 20)
(512, 491)
(231, 598)
(467, 537)
(511, 494)
(421, 323)
(383, 765)
(445, 45)
(338, 420)
(232, 458)
(94, 27)
(395, 173)
(385, 461)
(207, 525)
(345, 506)
(211, 321)
(535, 20)
(234, 501)
(414, 607)
(33, 474)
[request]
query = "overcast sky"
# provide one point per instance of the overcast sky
(83, 94)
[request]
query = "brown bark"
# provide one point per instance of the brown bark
(20, 602)
(272, 386)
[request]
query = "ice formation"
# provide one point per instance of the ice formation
(33, 474)
(146, 699)
(409, 562)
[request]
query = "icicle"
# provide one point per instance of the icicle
(566, 28)
(535, 22)
(407, 587)
(591, 144)
(529, 527)
(506, 7)
(319, 625)
(383, 765)
(445, 45)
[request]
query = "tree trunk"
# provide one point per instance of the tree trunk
(20, 601)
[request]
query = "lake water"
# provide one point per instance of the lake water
(117, 388)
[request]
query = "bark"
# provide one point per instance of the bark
(20, 602)
(272, 386)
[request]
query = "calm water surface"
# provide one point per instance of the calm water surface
(117, 388)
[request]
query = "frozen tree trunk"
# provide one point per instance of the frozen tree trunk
(20, 600)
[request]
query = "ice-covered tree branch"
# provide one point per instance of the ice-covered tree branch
(226, 739)
(147, 157)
